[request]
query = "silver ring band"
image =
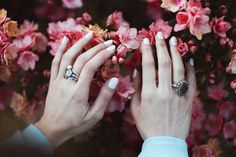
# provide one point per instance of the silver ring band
(70, 74)
(181, 87)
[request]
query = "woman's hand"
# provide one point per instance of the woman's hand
(156, 107)
(67, 112)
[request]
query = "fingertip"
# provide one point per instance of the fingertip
(89, 35)
(113, 83)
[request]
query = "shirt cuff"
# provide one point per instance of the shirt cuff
(35, 139)
(164, 146)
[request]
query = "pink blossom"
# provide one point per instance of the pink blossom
(27, 28)
(72, 4)
(160, 26)
(220, 26)
(183, 48)
(27, 60)
(128, 39)
(173, 5)
(229, 130)
(123, 93)
(86, 18)
(116, 20)
(24, 43)
(194, 18)
(217, 92)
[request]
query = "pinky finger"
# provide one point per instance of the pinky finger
(191, 79)
(57, 59)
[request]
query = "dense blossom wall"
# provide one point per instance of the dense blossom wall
(31, 31)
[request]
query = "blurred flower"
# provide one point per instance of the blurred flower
(3, 15)
(116, 20)
(183, 48)
(194, 18)
(226, 109)
(27, 60)
(72, 4)
(122, 94)
(173, 5)
(214, 124)
(220, 26)
(211, 149)
(229, 130)
(217, 92)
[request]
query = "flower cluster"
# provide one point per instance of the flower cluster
(19, 46)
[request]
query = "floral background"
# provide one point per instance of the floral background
(30, 32)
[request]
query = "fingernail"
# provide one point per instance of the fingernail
(134, 74)
(64, 40)
(173, 41)
(108, 42)
(146, 41)
(111, 48)
(160, 35)
(191, 62)
(113, 83)
(89, 35)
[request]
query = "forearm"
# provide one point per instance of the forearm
(164, 146)
(29, 142)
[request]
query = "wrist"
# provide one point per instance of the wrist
(54, 136)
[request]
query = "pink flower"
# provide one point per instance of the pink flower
(116, 20)
(160, 26)
(123, 93)
(217, 92)
(128, 39)
(226, 109)
(24, 43)
(86, 18)
(183, 21)
(194, 18)
(214, 124)
(173, 5)
(229, 130)
(27, 60)
(27, 28)
(183, 48)
(220, 26)
(72, 4)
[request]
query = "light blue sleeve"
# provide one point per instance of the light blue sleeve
(164, 146)
(30, 139)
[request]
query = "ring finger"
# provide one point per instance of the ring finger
(85, 57)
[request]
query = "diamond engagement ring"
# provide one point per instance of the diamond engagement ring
(70, 74)
(181, 87)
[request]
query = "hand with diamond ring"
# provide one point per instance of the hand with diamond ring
(162, 106)
(67, 112)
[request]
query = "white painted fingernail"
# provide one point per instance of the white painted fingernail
(160, 35)
(173, 41)
(191, 62)
(113, 83)
(64, 40)
(146, 41)
(111, 48)
(108, 42)
(89, 35)
(134, 74)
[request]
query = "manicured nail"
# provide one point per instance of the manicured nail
(173, 41)
(108, 42)
(113, 83)
(111, 48)
(89, 35)
(134, 74)
(191, 62)
(146, 41)
(64, 40)
(160, 35)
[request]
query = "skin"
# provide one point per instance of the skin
(67, 112)
(156, 108)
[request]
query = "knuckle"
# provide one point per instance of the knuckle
(90, 66)
(180, 70)
(66, 57)
(165, 63)
(149, 64)
(55, 62)
(148, 96)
